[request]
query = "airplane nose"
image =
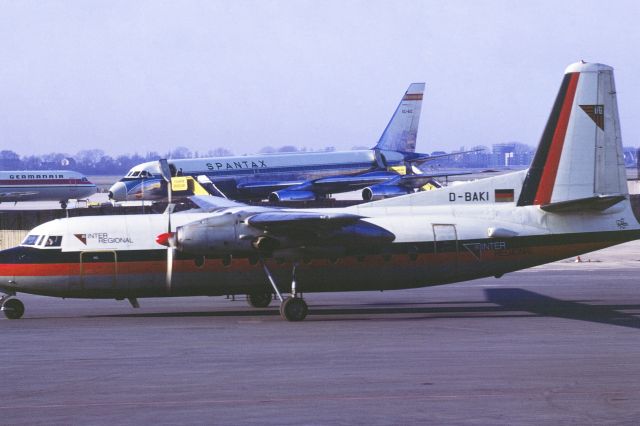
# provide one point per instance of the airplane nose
(118, 192)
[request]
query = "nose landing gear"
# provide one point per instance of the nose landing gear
(12, 308)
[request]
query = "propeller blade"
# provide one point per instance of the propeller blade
(170, 254)
(165, 171)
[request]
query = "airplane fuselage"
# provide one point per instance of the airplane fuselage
(256, 176)
(43, 185)
(117, 256)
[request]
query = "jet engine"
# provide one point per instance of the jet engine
(291, 195)
(379, 192)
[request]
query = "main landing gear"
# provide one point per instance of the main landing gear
(259, 300)
(293, 308)
(11, 307)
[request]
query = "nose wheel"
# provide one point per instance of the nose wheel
(12, 308)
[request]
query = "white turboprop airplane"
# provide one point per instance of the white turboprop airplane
(572, 200)
(44, 185)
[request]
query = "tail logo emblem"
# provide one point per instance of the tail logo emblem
(596, 113)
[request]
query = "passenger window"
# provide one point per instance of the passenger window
(53, 241)
(30, 240)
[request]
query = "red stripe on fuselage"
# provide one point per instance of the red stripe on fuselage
(31, 182)
(545, 188)
(531, 255)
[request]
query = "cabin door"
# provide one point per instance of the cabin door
(98, 270)
(445, 246)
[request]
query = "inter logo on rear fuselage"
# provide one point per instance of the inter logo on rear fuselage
(596, 113)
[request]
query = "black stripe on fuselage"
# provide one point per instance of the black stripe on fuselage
(30, 255)
(531, 182)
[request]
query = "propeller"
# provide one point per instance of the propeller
(171, 247)
(167, 239)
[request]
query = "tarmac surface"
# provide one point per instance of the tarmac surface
(558, 344)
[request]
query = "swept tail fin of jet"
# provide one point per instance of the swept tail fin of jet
(580, 153)
(402, 130)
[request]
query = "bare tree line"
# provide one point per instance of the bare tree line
(95, 161)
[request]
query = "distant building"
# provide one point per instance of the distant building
(512, 154)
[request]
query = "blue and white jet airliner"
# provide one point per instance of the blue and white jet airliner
(302, 176)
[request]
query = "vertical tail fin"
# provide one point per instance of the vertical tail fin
(580, 153)
(402, 130)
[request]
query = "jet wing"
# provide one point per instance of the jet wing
(16, 195)
(419, 158)
(417, 181)
(383, 178)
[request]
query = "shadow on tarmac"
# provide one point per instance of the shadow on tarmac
(511, 302)
(515, 299)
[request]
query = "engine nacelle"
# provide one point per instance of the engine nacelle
(225, 235)
(219, 235)
(291, 195)
(379, 192)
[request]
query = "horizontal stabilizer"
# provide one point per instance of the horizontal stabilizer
(597, 203)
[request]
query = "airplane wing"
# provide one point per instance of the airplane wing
(280, 220)
(209, 203)
(418, 158)
(418, 181)
(271, 229)
(264, 188)
(273, 186)
(310, 190)
(16, 195)
(309, 229)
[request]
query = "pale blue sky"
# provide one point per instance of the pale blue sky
(127, 76)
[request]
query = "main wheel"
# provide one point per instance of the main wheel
(259, 300)
(13, 309)
(294, 309)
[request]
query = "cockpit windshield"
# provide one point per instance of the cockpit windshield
(30, 240)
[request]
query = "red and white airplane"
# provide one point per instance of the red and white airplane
(572, 200)
(44, 185)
